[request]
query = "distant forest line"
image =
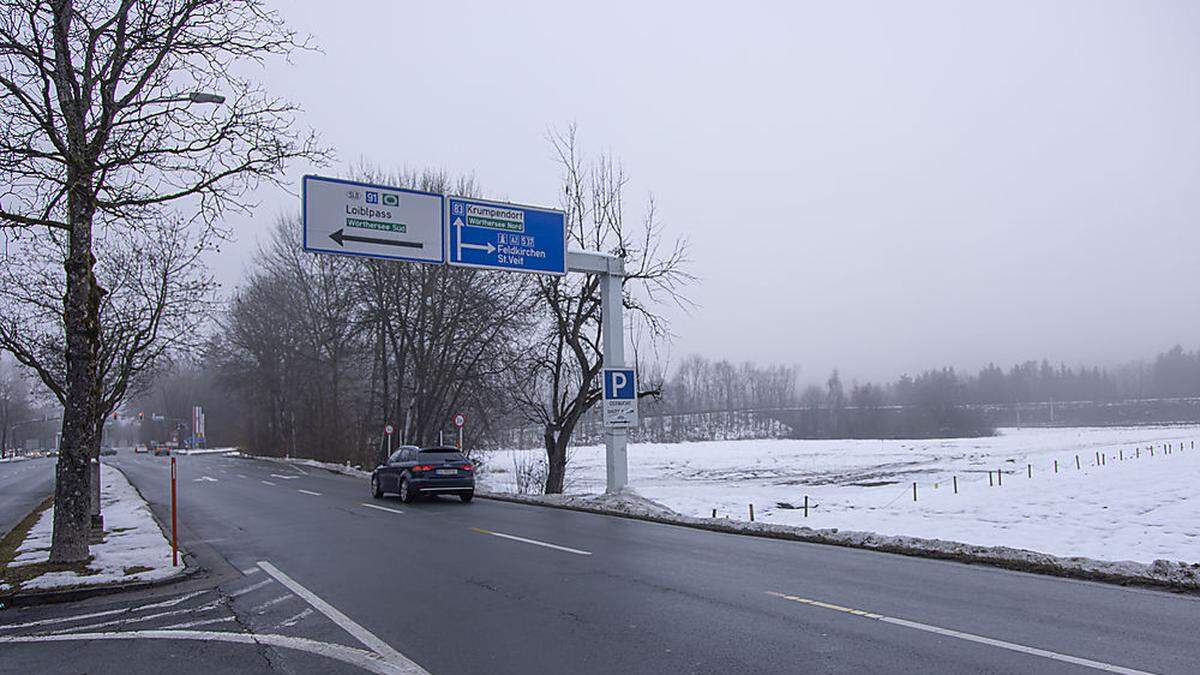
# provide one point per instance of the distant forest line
(703, 399)
(941, 402)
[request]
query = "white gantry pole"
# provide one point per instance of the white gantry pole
(612, 277)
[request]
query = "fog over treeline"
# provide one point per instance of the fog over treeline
(292, 406)
(699, 384)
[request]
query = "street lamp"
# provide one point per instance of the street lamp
(205, 97)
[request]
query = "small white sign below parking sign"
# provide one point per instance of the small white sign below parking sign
(620, 398)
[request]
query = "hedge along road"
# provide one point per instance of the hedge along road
(501, 587)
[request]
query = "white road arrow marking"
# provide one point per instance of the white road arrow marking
(479, 247)
(205, 479)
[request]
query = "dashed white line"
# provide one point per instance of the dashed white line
(251, 570)
(267, 482)
(271, 603)
(1012, 646)
(310, 492)
(251, 588)
(362, 634)
(193, 624)
(535, 542)
(96, 615)
(138, 619)
(355, 657)
(381, 508)
(279, 475)
(241, 475)
(293, 620)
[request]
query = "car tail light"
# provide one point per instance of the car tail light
(423, 467)
(466, 467)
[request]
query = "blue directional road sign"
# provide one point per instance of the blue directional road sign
(501, 236)
(620, 397)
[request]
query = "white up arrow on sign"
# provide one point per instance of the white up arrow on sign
(481, 247)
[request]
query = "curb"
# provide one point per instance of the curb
(32, 598)
(1045, 564)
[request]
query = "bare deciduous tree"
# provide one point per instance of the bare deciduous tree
(97, 128)
(559, 382)
(156, 291)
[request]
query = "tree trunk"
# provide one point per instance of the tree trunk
(81, 310)
(556, 461)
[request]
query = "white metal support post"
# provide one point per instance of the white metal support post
(612, 277)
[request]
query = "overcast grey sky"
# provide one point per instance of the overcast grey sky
(879, 186)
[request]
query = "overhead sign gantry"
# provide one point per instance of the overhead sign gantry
(377, 221)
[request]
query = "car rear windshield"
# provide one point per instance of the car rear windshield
(442, 454)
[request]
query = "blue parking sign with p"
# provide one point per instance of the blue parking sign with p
(619, 384)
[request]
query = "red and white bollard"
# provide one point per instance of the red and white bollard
(174, 541)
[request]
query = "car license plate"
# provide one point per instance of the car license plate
(447, 472)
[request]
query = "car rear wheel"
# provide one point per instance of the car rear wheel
(375, 491)
(406, 493)
(466, 497)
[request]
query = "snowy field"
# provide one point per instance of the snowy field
(1139, 508)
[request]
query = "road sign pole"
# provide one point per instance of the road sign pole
(613, 327)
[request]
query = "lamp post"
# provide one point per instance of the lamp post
(205, 97)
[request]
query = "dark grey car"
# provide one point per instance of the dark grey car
(411, 471)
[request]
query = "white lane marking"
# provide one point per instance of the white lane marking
(299, 470)
(251, 570)
(251, 588)
(362, 634)
(355, 657)
(278, 475)
(205, 479)
(535, 542)
(271, 603)
(381, 508)
(293, 620)
(1012, 646)
(138, 619)
(1066, 658)
(96, 615)
(241, 475)
(267, 482)
(193, 624)
(310, 492)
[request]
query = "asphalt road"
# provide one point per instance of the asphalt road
(493, 587)
(23, 485)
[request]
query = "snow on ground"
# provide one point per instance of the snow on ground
(207, 451)
(133, 542)
(344, 469)
(1139, 508)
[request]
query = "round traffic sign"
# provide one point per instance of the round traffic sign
(460, 420)
(388, 430)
